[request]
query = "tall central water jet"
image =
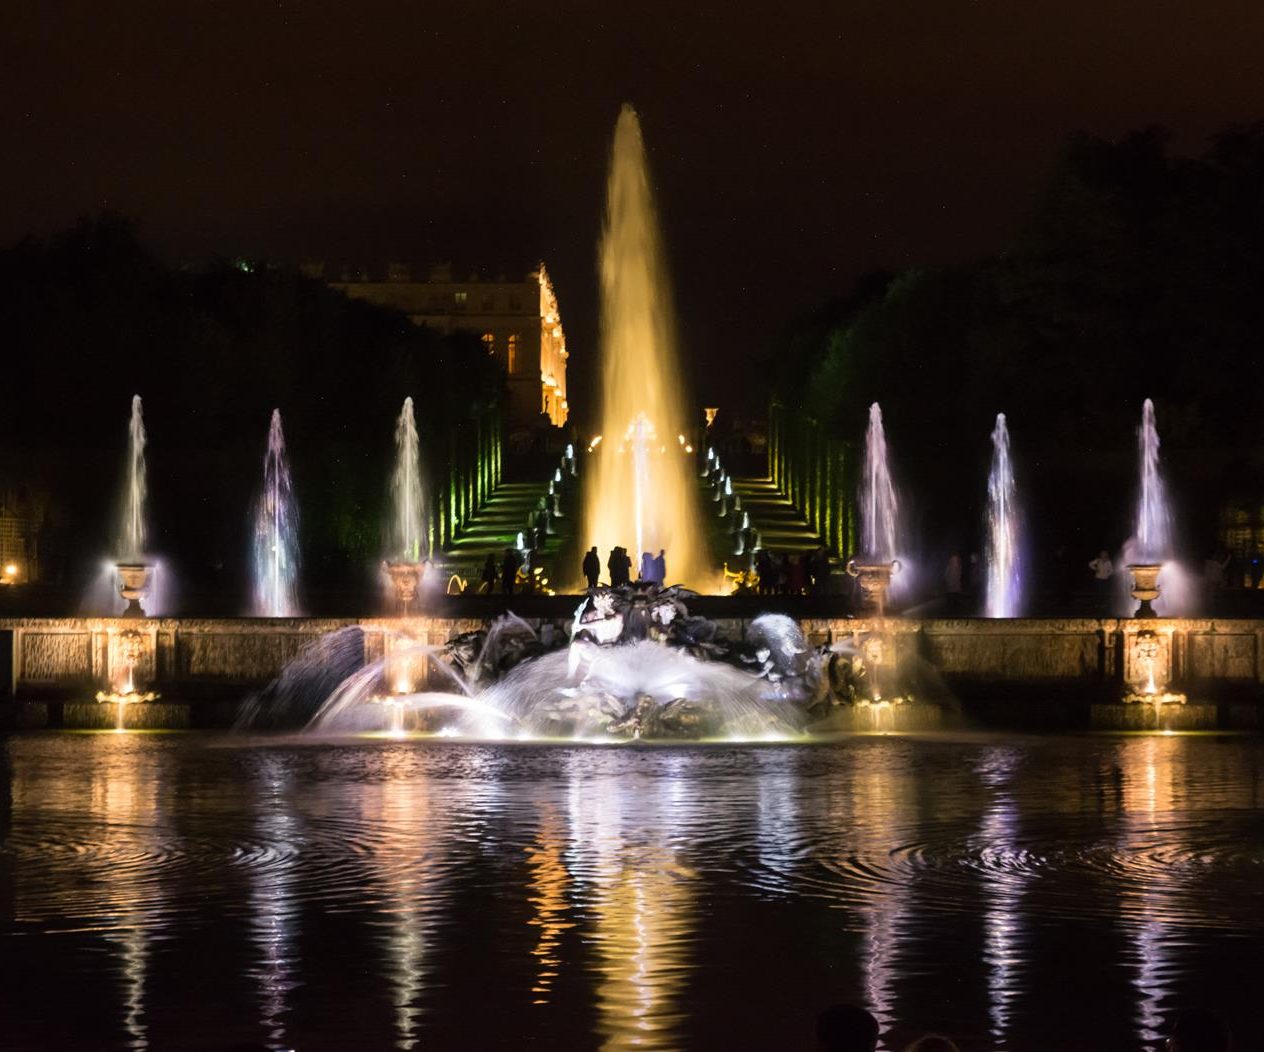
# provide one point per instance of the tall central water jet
(640, 489)
(1004, 578)
(276, 532)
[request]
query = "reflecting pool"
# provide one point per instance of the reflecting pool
(196, 891)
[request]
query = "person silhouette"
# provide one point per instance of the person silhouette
(592, 566)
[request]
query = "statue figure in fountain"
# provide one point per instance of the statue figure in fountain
(637, 665)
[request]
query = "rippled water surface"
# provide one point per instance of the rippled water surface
(185, 891)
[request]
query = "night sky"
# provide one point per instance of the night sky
(793, 146)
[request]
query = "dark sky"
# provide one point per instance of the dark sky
(794, 146)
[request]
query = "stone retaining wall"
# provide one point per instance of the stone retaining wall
(66, 658)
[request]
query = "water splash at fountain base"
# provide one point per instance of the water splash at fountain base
(147, 716)
(1154, 714)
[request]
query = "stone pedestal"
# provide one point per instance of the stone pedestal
(134, 582)
(1145, 586)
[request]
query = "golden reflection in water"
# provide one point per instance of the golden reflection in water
(880, 797)
(123, 797)
(409, 827)
(550, 882)
(1152, 767)
(624, 842)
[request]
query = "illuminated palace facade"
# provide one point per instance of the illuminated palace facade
(518, 322)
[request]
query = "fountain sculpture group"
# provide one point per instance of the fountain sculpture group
(635, 663)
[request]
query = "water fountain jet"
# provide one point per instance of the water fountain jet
(1152, 541)
(879, 508)
(639, 490)
(134, 572)
(1004, 581)
(409, 543)
(276, 532)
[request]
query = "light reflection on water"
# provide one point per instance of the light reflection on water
(412, 894)
(275, 917)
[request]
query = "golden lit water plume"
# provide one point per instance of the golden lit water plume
(641, 493)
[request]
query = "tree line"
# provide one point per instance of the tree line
(91, 316)
(1137, 273)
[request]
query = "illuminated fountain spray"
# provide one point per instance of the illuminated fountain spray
(276, 532)
(1154, 519)
(1003, 572)
(637, 442)
(641, 489)
(408, 541)
(1151, 543)
(130, 542)
(878, 504)
(410, 545)
(879, 509)
(135, 574)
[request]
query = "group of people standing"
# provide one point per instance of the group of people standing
(619, 566)
(506, 572)
(802, 574)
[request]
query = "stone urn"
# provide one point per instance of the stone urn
(405, 580)
(1145, 586)
(134, 582)
(874, 580)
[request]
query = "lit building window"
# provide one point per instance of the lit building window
(513, 352)
(460, 298)
(489, 341)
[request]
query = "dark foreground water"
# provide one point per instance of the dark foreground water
(175, 892)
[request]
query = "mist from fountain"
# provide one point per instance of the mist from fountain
(409, 542)
(640, 487)
(132, 534)
(585, 692)
(879, 507)
(275, 542)
(1004, 570)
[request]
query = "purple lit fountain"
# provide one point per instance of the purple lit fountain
(1004, 578)
(275, 539)
(879, 509)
